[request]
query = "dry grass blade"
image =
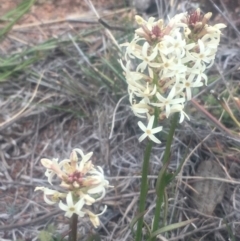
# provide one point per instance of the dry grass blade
(21, 112)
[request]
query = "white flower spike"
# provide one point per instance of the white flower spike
(164, 62)
(83, 184)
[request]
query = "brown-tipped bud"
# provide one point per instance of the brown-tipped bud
(151, 110)
(156, 32)
(161, 82)
(198, 26)
(202, 33)
(144, 33)
(194, 17)
(149, 80)
(168, 29)
(146, 30)
(162, 116)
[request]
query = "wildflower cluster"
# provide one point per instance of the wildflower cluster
(81, 182)
(165, 62)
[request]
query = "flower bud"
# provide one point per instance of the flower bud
(139, 20)
(46, 163)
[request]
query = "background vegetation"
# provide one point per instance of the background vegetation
(61, 87)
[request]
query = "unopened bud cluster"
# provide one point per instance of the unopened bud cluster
(82, 184)
(165, 62)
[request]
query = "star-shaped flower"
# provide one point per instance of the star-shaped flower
(188, 84)
(170, 101)
(205, 54)
(149, 130)
(147, 57)
(176, 44)
(72, 208)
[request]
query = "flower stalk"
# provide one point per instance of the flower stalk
(143, 189)
(163, 64)
(73, 228)
(163, 179)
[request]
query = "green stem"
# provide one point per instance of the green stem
(73, 228)
(170, 138)
(161, 181)
(144, 189)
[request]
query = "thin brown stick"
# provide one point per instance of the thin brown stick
(212, 118)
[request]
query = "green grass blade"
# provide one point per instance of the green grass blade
(171, 227)
(14, 15)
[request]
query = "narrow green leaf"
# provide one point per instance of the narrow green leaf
(135, 220)
(15, 14)
(172, 227)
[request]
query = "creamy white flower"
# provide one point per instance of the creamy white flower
(176, 44)
(204, 55)
(167, 103)
(94, 218)
(99, 183)
(136, 82)
(168, 64)
(55, 195)
(132, 76)
(178, 20)
(198, 70)
(86, 197)
(140, 108)
(215, 29)
(162, 47)
(175, 70)
(85, 158)
(70, 208)
(149, 130)
(133, 49)
(53, 168)
(188, 58)
(188, 84)
(146, 58)
(146, 91)
(179, 108)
